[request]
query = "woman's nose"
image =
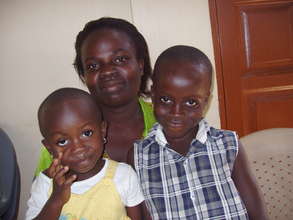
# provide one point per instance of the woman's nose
(106, 70)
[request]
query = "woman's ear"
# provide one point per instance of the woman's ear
(141, 66)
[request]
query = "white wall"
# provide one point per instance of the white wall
(37, 50)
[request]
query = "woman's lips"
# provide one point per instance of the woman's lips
(111, 85)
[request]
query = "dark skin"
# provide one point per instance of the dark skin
(179, 100)
(251, 197)
(180, 94)
(74, 134)
(112, 75)
(109, 55)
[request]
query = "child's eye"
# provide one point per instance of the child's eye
(120, 59)
(87, 133)
(192, 103)
(62, 142)
(165, 100)
(92, 67)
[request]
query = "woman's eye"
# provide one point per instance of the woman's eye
(62, 142)
(120, 59)
(165, 100)
(87, 133)
(192, 103)
(92, 67)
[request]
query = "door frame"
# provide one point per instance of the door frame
(218, 62)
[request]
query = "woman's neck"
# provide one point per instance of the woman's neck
(122, 113)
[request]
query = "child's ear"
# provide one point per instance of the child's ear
(207, 97)
(47, 146)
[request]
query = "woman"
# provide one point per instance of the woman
(112, 59)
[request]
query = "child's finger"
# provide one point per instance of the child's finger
(70, 180)
(59, 177)
(59, 156)
(51, 171)
(58, 166)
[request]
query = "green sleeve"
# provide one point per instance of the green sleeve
(148, 115)
(44, 161)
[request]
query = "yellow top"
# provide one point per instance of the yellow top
(102, 202)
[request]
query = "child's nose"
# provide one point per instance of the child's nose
(176, 109)
(76, 143)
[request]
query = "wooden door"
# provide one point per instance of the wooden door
(253, 44)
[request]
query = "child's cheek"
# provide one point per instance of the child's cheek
(65, 160)
(160, 110)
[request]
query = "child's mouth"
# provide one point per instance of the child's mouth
(175, 123)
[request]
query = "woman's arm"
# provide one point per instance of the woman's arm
(247, 187)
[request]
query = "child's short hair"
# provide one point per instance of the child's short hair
(184, 53)
(58, 97)
(130, 30)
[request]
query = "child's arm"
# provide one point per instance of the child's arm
(60, 194)
(144, 211)
(130, 157)
(138, 212)
(247, 187)
(134, 212)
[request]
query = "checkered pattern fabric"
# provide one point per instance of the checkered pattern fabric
(195, 186)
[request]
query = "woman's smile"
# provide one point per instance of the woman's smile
(111, 85)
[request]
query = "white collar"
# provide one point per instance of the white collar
(201, 135)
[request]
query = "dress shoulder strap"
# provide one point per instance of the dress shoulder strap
(111, 169)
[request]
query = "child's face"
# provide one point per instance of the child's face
(77, 132)
(180, 93)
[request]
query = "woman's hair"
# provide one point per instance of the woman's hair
(134, 35)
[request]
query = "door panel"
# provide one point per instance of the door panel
(253, 43)
(267, 35)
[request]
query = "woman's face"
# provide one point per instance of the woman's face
(112, 72)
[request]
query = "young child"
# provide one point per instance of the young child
(84, 186)
(187, 169)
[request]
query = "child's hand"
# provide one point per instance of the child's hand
(61, 185)
(54, 167)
